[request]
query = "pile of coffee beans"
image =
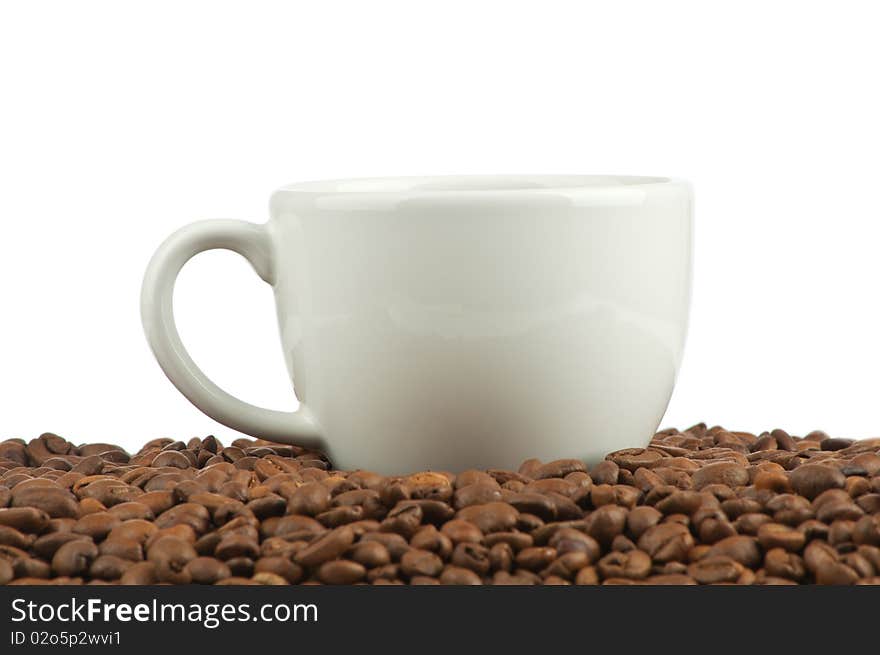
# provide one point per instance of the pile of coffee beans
(702, 506)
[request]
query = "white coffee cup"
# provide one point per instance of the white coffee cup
(456, 322)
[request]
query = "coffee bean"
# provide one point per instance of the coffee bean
(867, 530)
(171, 458)
(728, 473)
(421, 562)
(680, 502)
(457, 575)
(428, 485)
(370, 554)
(587, 576)
(858, 563)
(633, 458)
(641, 518)
(666, 542)
(490, 517)
(12, 537)
(535, 558)
(25, 519)
(715, 569)
(281, 566)
(55, 501)
(109, 567)
(501, 557)
(605, 523)
(96, 526)
(171, 555)
(776, 535)
(836, 573)
(476, 557)
(74, 558)
(559, 468)
(341, 572)
(329, 546)
(810, 480)
(516, 540)
(124, 548)
(459, 530)
(605, 472)
(742, 549)
(634, 564)
(237, 545)
(478, 493)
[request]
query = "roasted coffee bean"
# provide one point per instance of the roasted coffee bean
(109, 567)
(12, 537)
(422, 562)
(587, 576)
(728, 473)
(237, 545)
(394, 543)
(558, 468)
(535, 558)
(810, 480)
(634, 564)
(516, 540)
(96, 526)
(818, 554)
(680, 502)
(137, 530)
(622, 544)
(715, 569)
(310, 499)
(29, 567)
(341, 572)
(171, 555)
(533, 503)
(124, 548)
(428, 485)
(329, 546)
(836, 573)
(52, 499)
(633, 458)
(605, 523)
(370, 554)
(478, 493)
(281, 566)
(641, 518)
(776, 535)
(457, 575)
(782, 564)
(740, 548)
(666, 542)
(25, 519)
(490, 517)
(605, 472)
(501, 557)
(567, 540)
(566, 566)
(74, 558)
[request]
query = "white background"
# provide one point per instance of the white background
(120, 121)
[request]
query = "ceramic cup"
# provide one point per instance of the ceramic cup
(456, 322)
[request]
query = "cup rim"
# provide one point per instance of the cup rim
(479, 185)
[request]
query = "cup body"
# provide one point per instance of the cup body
(466, 322)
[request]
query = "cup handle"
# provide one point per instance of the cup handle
(252, 242)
